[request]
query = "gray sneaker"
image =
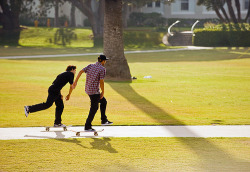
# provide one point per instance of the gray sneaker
(90, 130)
(59, 125)
(26, 111)
(107, 123)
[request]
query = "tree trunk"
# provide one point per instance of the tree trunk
(99, 20)
(72, 16)
(95, 17)
(248, 13)
(124, 14)
(117, 66)
(224, 12)
(218, 13)
(231, 11)
(9, 17)
(56, 21)
(237, 4)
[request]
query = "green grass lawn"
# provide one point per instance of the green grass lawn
(42, 41)
(82, 38)
(126, 154)
(187, 88)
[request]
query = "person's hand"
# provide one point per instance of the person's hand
(67, 97)
(102, 94)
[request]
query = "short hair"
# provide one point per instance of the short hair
(70, 68)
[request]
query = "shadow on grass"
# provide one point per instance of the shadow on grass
(98, 143)
(103, 144)
(212, 157)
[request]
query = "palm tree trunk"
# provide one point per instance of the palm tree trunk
(237, 4)
(248, 13)
(231, 11)
(218, 13)
(224, 11)
(117, 66)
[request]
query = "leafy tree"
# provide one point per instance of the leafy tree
(9, 14)
(49, 4)
(95, 16)
(218, 5)
(9, 19)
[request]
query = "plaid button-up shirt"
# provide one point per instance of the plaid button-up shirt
(94, 73)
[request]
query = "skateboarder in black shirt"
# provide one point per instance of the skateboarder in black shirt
(54, 95)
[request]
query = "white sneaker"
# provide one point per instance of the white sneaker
(26, 111)
(59, 125)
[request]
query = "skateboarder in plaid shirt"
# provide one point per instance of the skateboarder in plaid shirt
(55, 95)
(95, 74)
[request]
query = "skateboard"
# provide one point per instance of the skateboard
(95, 132)
(64, 128)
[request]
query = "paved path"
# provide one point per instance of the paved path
(128, 131)
(88, 54)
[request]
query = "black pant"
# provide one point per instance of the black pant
(53, 96)
(94, 102)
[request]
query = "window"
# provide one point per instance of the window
(184, 5)
(246, 4)
(150, 4)
(158, 4)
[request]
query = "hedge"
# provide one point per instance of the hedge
(236, 35)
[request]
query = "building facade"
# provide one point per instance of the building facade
(184, 9)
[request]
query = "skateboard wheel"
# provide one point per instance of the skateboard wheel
(47, 128)
(77, 133)
(95, 133)
(64, 128)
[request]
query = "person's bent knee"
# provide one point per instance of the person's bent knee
(48, 105)
(103, 101)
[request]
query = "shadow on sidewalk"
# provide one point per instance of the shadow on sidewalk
(211, 156)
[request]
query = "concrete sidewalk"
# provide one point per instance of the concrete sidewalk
(88, 54)
(128, 131)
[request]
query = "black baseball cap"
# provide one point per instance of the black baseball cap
(103, 57)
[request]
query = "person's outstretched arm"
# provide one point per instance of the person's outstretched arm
(77, 78)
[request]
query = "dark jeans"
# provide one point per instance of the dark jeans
(94, 103)
(53, 96)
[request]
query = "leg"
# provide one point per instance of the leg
(94, 99)
(59, 109)
(103, 105)
(42, 106)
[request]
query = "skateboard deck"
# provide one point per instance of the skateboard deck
(85, 131)
(64, 128)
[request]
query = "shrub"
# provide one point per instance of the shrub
(146, 19)
(190, 22)
(223, 35)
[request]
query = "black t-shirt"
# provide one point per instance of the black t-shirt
(61, 80)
